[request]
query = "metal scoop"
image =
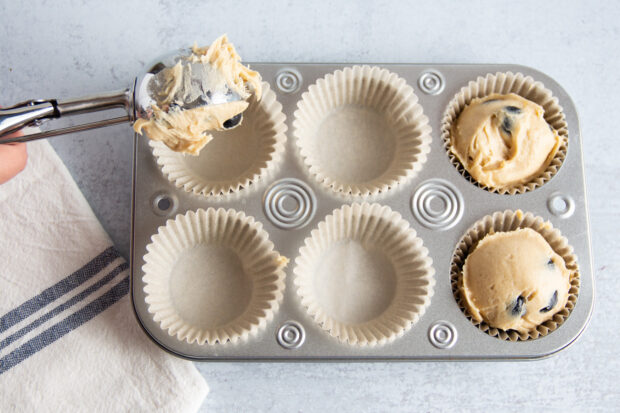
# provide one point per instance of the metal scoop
(201, 89)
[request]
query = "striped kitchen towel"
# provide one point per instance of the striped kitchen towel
(68, 338)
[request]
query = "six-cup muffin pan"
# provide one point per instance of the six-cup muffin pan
(400, 193)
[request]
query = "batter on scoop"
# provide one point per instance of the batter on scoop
(514, 280)
(187, 130)
(503, 140)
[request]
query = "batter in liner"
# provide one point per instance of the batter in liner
(503, 140)
(514, 280)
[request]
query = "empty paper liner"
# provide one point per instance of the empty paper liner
(505, 83)
(212, 276)
(504, 222)
(235, 158)
(361, 131)
(363, 275)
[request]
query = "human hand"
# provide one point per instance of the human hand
(13, 158)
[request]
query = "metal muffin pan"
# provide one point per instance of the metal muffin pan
(443, 332)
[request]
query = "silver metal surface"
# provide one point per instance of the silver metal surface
(472, 344)
(35, 112)
(288, 80)
(299, 194)
(291, 335)
(560, 205)
(449, 209)
(203, 86)
(443, 334)
(164, 204)
(24, 114)
(431, 82)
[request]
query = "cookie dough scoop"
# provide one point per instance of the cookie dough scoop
(178, 99)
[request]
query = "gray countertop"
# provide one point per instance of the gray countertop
(78, 47)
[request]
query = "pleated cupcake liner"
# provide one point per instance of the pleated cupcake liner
(504, 83)
(509, 221)
(367, 88)
(263, 125)
(375, 228)
(228, 233)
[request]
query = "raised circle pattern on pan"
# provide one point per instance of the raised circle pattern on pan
(560, 205)
(449, 196)
(442, 334)
(297, 191)
(291, 335)
(431, 82)
(288, 80)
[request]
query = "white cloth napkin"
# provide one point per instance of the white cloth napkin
(68, 337)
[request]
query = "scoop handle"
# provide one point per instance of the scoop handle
(35, 112)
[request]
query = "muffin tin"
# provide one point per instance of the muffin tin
(437, 201)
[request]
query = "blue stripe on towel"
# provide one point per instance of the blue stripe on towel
(59, 309)
(57, 290)
(71, 322)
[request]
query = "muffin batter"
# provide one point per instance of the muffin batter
(514, 280)
(187, 130)
(503, 140)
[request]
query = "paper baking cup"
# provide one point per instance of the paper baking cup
(363, 275)
(510, 221)
(504, 83)
(235, 158)
(212, 276)
(361, 131)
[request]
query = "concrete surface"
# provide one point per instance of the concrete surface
(73, 48)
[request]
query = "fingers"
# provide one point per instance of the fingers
(13, 157)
